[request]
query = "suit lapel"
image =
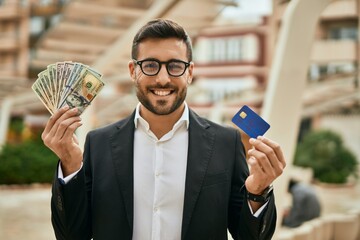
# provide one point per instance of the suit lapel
(122, 145)
(201, 141)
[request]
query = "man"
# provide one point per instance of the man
(74, 100)
(163, 172)
(305, 204)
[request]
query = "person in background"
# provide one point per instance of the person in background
(163, 172)
(305, 204)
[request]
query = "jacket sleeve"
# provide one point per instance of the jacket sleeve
(241, 223)
(70, 206)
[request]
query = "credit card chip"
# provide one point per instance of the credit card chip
(243, 115)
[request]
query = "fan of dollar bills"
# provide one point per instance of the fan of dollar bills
(67, 83)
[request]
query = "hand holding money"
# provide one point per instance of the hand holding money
(66, 89)
(59, 136)
(67, 84)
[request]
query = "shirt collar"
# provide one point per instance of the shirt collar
(184, 117)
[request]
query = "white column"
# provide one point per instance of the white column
(88, 121)
(5, 119)
(217, 112)
(287, 80)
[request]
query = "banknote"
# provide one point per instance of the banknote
(40, 95)
(83, 91)
(67, 83)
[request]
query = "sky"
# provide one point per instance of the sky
(249, 8)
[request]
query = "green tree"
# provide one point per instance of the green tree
(325, 153)
(27, 162)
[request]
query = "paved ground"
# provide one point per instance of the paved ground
(337, 199)
(25, 212)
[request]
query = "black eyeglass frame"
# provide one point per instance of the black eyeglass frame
(140, 62)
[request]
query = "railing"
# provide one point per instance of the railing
(334, 50)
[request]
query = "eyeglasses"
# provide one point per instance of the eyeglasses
(151, 67)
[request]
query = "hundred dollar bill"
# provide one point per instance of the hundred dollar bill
(96, 73)
(68, 68)
(48, 85)
(42, 87)
(71, 79)
(59, 71)
(78, 71)
(51, 72)
(40, 95)
(84, 91)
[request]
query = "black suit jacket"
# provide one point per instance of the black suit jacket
(98, 201)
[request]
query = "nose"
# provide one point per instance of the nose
(163, 77)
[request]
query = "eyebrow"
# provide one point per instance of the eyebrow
(172, 59)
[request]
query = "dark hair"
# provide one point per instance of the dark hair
(161, 28)
(292, 183)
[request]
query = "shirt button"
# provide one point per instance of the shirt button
(155, 209)
(157, 174)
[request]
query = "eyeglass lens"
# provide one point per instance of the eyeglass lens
(174, 68)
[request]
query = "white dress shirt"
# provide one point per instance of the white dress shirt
(159, 179)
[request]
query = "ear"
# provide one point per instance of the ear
(190, 76)
(132, 72)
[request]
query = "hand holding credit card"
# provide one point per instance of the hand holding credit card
(250, 122)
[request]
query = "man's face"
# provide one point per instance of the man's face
(74, 101)
(161, 94)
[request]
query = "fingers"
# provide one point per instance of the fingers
(70, 130)
(58, 124)
(269, 156)
(53, 119)
(266, 162)
(263, 163)
(254, 165)
(66, 126)
(64, 115)
(258, 179)
(276, 147)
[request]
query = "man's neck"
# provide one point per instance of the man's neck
(161, 124)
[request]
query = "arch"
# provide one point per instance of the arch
(287, 81)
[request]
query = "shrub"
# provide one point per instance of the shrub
(324, 152)
(27, 162)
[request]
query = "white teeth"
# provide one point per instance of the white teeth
(162, 93)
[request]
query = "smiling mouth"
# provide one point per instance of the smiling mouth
(162, 92)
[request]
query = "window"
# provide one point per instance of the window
(340, 33)
(227, 49)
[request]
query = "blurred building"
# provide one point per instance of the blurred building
(14, 32)
(44, 15)
(22, 24)
(332, 97)
(244, 52)
(231, 69)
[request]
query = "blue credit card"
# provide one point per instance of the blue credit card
(251, 123)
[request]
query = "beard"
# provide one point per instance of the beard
(161, 107)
